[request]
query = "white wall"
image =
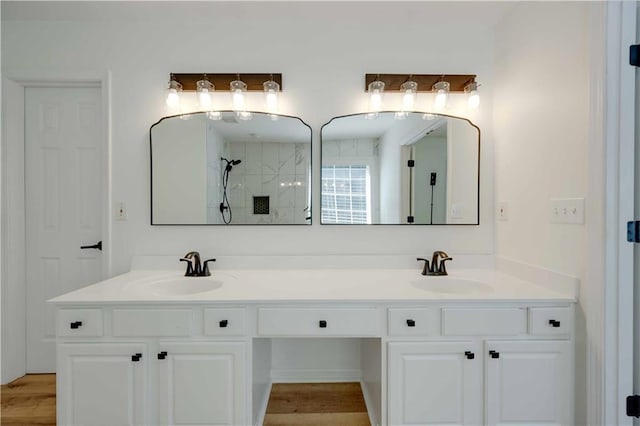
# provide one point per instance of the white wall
(462, 172)
(431, 156)
(541, 122)
(215, 150)
(180, 172)
(323, 76)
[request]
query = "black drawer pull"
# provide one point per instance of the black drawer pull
(136, 357)
(554, 323)
(469, 355)
(76, 324)
(322, 324)
(494, 354)
(162, 355)
(224, 323)
(411, 323)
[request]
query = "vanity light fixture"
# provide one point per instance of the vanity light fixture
(376, 89)
(473, 97)
(173, 93)
(204, 88)
(409, 85)
(441, 89)
(239, 84)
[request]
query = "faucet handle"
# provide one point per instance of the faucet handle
(426, 265)
(442, 270)
(205, 267)
(189, 272)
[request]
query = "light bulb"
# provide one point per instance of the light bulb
(204, 88)
(409, 91)
(441, 88)
(376, 88)
(214, 115)
(243, 115)
(173, 93)
(271, 89)
(473, 97)
(238, 88)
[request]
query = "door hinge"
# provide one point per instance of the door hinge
(411, 163)
(633, 406)
(634, 55)
(633, 231)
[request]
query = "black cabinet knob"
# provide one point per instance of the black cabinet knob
(136, 357)
(494, 354)
(76, 324)
(162, 355)
(224, 323)
(554, 323)
(469, 355)
(411, 323)
(322, 324)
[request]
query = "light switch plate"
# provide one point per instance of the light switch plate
(120, 211)
(567, 210)
(502, 211)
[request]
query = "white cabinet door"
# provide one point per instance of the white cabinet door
(202, 383)
(101, 384)
(435, 383)
(529, 383)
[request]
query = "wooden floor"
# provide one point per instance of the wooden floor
(316, 404)
(31, 400)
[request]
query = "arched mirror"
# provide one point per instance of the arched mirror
(406, 168)
(230, 168)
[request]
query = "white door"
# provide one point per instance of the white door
(102, 384)
(202, 383)
(636, 261)
(529, 383)
(63, 175)
(435, 383)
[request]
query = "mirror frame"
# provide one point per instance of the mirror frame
(228, 224)
(477, 223)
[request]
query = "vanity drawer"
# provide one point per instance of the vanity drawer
(413, 322)
(79, 322)
(224, 322)
(152, 322)
(318, 322)
(550, 321)
(484, 321)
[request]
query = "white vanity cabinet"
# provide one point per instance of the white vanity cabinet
(492, 366)
(423, 363)
(201, 383)
(529, 382)
(435, 383)
(159, 365)
(102, 384)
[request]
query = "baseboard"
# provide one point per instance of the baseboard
(262, 411)
(314, 376)
(369, 403)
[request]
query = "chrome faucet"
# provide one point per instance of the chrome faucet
(437, 266)
(194, 267)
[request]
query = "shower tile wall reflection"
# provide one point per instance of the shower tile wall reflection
(208, 171)
(275, 170)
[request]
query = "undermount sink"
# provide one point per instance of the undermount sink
(178, 285)
(183, 286)
(451, 285)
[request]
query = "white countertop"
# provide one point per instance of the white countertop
(315, 285)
